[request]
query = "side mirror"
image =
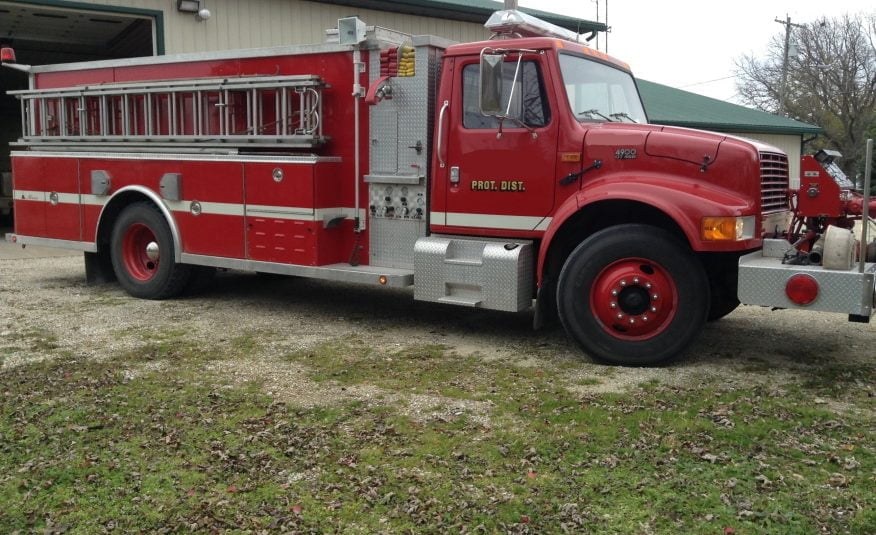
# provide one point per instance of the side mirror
(491, 84)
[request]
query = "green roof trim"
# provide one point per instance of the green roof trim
(675, 107)
(466, 10)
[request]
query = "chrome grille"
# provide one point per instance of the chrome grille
(773, 182)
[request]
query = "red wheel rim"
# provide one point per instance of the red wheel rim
(140, 252)
(634, 299)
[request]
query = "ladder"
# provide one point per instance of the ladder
(250, 111)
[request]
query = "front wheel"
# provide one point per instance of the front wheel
(633, 295)
(142, 254)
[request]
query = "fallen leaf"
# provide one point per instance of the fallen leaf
(296, 509)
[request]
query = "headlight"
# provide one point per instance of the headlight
(728, 228)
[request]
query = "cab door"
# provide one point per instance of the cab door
(499, 179)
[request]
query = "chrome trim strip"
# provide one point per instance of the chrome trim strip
(298, 159)
(88, 247)
(396, 278)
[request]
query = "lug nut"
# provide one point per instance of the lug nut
(636, 280)
(632, 321)
(648, 285)
(623, 283)
(613, 305)
(614, 292)
(644, 318)
(653, 309)
(620, 316)
(654, 297)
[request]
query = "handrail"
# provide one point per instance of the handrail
(440, 148)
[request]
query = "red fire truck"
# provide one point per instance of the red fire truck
(515, 173)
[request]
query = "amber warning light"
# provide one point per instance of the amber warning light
(7, 55)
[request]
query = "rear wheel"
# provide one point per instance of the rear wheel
(142, 254)
(633, 295)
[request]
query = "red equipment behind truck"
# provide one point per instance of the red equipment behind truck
(514, 173)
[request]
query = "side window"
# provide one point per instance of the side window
(529, 103)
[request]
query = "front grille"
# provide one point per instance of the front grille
(773, 182)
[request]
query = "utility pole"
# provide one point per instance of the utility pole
(783, 87)
(597, 20)
(607, 27)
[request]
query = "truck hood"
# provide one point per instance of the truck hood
(685, 144)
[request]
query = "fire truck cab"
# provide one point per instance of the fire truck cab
(509, 174)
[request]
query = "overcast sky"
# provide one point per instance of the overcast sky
(685, 42)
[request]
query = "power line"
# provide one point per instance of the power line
(707, 81)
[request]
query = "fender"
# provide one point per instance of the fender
(155, 198)
(684, 201)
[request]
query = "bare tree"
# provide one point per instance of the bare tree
(831, 81)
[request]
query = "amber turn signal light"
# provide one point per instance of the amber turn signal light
(728, 228)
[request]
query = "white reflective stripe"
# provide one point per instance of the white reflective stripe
(68, 198)
(495, 221)
(212, 208)
(545, 223)
(278, 211)
(93, 200)
(25, 195)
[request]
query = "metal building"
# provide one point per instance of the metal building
(60, 31)
(676, 107)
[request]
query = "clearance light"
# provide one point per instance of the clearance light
(801, 289)
(7, 55)
(382, 279)
(728, 228)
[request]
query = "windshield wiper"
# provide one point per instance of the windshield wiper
(594, 111)
(623, 114)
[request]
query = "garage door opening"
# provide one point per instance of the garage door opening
(43, 35)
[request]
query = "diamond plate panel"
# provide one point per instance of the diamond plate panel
(400, 141)
(481, 273)
(762, 282)
(392, 241)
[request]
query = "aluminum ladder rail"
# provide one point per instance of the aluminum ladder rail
(251, 111)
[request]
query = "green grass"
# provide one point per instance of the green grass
(84, 446)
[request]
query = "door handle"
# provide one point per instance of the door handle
(454, 174)
(440, 148)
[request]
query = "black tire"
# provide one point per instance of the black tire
(137, 226)
(607, 274)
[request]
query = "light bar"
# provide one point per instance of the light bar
(517, 22)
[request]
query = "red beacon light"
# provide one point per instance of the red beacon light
(802, 289)
(7, 55)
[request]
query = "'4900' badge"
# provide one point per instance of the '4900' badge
(625, 154)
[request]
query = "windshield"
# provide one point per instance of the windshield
(598, 92)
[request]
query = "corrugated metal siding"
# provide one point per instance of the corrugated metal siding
(259, 23)
(789, 144)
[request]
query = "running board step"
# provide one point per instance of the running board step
(461, 301)
(492, 274)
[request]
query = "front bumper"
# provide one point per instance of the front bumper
(762, 280)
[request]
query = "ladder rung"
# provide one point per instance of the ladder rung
(282, 110)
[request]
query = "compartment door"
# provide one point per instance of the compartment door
(28, 185)
(280, 214)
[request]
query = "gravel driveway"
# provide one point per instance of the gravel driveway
(48, 298)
